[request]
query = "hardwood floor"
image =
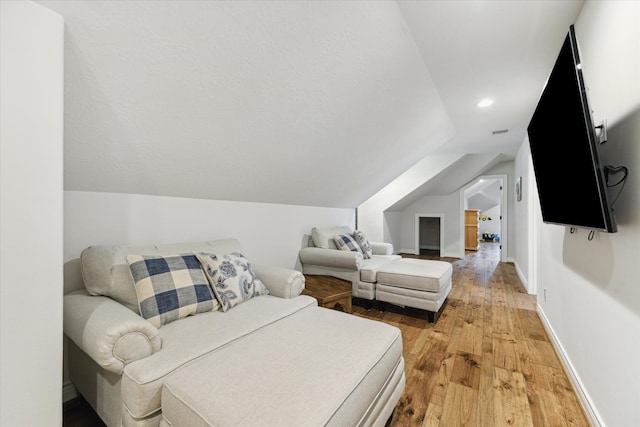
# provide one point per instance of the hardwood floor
(487, 361)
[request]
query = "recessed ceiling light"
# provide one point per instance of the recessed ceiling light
(485, 102)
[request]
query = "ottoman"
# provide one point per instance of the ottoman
(415, 283)
(318, 367)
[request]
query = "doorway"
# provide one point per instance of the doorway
(487, 194)
(429, 238)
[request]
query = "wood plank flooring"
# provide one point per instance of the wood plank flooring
(487, 361)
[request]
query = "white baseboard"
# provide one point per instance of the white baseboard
(521, 276)
(583, 396)
(69, 392)
(430, 247)
(413, 251)
(407, 251)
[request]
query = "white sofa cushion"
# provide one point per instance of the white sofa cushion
(370, 267)
(301, 362)
(430, 301)
(323, 237)
(194, 337)
(420, 274)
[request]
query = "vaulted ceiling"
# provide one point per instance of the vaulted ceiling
(309, 102)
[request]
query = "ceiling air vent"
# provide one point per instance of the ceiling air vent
(499, 131)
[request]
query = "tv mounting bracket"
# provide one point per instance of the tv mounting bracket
(610, 170)
(602, 134)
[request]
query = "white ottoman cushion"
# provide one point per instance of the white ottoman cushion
(430, 301)
(418, 274)
(330, 368)
(371, 266)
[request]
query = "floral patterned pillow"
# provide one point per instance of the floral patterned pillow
(363, 242)
(231, 277)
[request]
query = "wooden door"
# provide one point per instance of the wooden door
(471, 234)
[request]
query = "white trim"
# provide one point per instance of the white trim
(429, 247)
(452, 255)
(532, 228)
(521, 275)
(581, 392)
(69, 391)
(417, 231)
(504, 216)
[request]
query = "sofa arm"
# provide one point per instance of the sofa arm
(333, 258)
(111, 334)
(381, 248)
(281, 282)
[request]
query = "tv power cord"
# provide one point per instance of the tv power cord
(614, 170)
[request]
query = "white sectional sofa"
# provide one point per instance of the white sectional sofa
(378, 276)
(322, 257)
(272, 360)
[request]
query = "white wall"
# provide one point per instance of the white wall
(379, 224)
(449, 207)
(31, 126)
(269, 233)
(452, 207)
(588, 291)
(490, 226)
(523, 216)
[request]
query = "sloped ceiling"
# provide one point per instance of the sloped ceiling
(310, 103)
(483, 195)
(306, 102)
(502, 50)
(451, 178)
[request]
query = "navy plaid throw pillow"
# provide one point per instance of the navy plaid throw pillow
(347, 242)
(170, 287)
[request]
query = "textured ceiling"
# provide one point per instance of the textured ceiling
(310, 103)
(503, 50)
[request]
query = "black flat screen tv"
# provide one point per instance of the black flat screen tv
(564, 149)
